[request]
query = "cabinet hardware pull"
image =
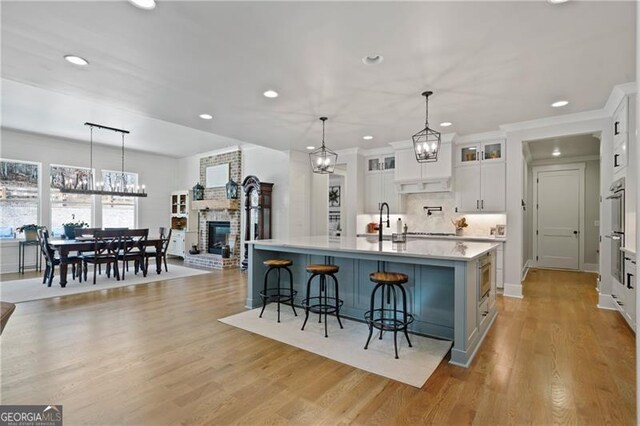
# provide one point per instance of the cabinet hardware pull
(614, 296)
(482, 204)
(615, 160)
(477, 204)
(629, 286)
(615, 128)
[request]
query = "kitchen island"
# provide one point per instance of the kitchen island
(443, 291)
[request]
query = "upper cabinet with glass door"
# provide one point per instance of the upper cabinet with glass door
(489, 151)
(376, 164)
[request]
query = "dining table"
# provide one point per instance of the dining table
(87, 244)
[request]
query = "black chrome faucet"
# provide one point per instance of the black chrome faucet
(380, 223)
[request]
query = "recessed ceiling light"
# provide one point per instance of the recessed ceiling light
(270, 94)
(372, 59)
(367, 138)
(557, 1)
(76, 60)
(556, 153)
(311, 147)
(559, 104)
(446, 124)
(206, 116)
(144, 4)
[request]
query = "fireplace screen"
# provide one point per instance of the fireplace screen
(218, 236)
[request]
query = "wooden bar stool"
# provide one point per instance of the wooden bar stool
(388, 317)
(322, 303)
(278, 294)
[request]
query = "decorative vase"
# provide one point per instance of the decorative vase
(459, 232)
(70, 232)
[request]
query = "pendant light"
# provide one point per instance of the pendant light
(121, 189)
(323, 160)
(426, 143)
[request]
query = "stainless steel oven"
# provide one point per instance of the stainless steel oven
(616, 197)
(484, 276)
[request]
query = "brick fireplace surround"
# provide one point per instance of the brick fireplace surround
(210, 260)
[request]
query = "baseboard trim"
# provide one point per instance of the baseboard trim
(605, 301)
(590, 267)
(513, 290)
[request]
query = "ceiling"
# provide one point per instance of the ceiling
(154, 72)
(569, 146)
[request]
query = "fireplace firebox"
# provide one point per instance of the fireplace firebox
(218, 236)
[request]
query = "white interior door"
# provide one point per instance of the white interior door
(558, 214)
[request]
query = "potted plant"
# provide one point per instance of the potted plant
(460, 224)
(30, 231)
(70, 228)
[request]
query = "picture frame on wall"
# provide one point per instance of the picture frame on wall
(217, 176)
(501, 230)
(334, 196)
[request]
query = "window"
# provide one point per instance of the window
(19, 201)
(69, 207)
(119, 212)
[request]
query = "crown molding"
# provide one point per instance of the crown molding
(554, 121)
(480, 137)
(617, 94)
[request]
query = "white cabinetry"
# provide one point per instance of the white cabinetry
(411, 176)
(379, 185)
(184, 224)
(176, 246)
(500, 266)
(624, 294)
(621, 136)
(480, 177)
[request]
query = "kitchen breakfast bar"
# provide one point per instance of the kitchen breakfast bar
(451, 289)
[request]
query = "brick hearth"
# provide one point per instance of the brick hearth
(210, 261)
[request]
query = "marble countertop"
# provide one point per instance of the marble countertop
(421, 248)
(488, 238)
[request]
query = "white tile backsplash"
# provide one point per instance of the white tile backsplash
(417, 220)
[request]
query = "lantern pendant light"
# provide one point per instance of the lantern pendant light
(323, 160)
(426, 143)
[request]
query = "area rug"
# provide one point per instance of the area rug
(414, 366)
(17, 291)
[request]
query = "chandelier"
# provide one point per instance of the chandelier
(426, 143)
(118, 189)
(323, 160)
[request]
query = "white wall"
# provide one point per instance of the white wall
(591, 122)
(157, 172)
(271, 166)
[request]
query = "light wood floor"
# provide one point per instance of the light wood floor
(155, 354)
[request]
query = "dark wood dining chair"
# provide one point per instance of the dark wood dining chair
(84, 233)
(133, 243)
(151, 252)
(52, 260)
(106, 245)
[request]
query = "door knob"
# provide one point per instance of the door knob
(575, 232)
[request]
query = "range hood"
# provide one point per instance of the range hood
(413, 177)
